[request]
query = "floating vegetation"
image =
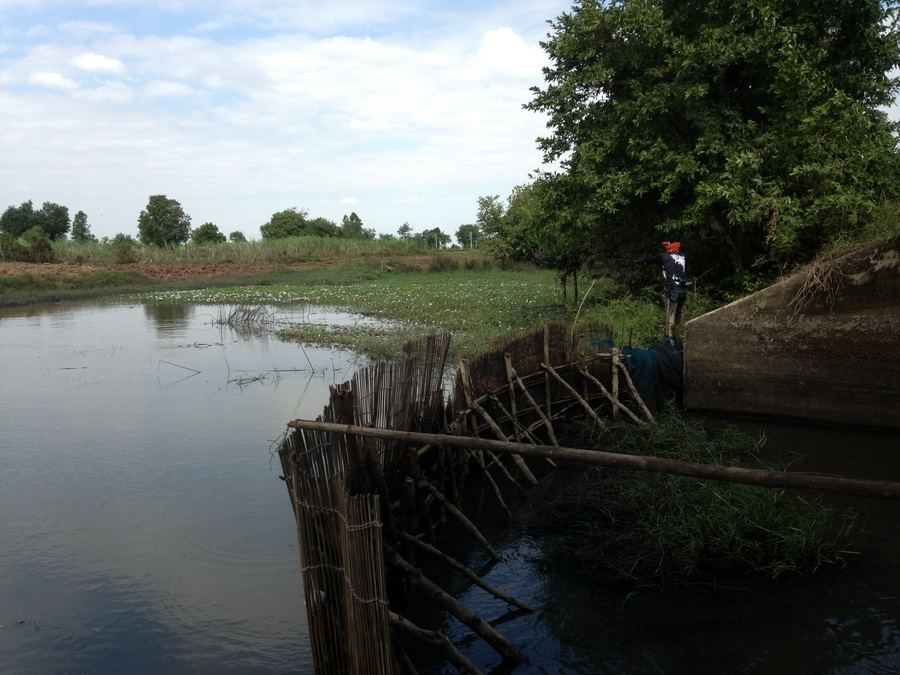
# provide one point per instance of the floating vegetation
(665, 530)
(246, 316)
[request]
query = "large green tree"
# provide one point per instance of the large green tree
(752, 129)
(52, 218)
(81, 231)
(207, 233)
(163, 222)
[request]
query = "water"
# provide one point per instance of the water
(142, 521)
(144, 528)
(838, 621)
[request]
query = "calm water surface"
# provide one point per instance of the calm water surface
(142, 521)
(144, 528)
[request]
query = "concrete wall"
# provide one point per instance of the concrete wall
(837, 362)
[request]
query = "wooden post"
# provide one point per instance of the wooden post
(461, 517)
(731, 474)
(456, 608)
(616, 404)
(469, 574)
(436, 641)
(584, 404)
(546, 375)
(551, 433)
(634, 392)
(614, 376)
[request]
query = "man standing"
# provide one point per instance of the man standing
(677, 281)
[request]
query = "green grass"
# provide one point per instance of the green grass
(477, 307)
(276, 251)
(662, 530)
(29, 289)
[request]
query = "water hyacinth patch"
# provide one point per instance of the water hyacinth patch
(477, 307)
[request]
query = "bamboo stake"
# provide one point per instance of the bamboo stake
(551, 433)
(460, 516)
(436, 641)
(511, 390)
(730, 474)
(546, 376)
(498, 432)
(497, 494)
(478, 625)
(462, 569)
(617, 405)
(518, 425)
(614, 375)
(584, 404)
(634, 392)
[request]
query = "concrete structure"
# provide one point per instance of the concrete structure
(823, 344)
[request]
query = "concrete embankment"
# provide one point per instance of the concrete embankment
(822, 345)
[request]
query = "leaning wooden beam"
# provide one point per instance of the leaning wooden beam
(478, 625)
(551, 433)
(459, 515)
(436, 641)
(617, 405)
(498, 432)
(584, 404)
(860, 487)
(517, 425)
(546, 376)
(493, 483)
(634, 391)
(614, 376)
(465, 571)
(511, 391)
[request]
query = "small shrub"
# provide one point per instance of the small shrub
(124, 249)
(10, 247)
(443, 263)
(37, 247)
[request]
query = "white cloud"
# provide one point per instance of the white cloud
(397, 122)
(162, 89)
(47, 78)
(97, 63)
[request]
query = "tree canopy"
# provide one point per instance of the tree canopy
(207, 233)
(52, 218)
(751, 129)
(81, 231)
(163, 222)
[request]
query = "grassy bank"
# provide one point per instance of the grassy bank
(276, 251)
(665, 530)
(27, 289)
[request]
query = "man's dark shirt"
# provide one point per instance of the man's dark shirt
(674, 267)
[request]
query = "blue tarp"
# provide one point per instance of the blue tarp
(657, 371)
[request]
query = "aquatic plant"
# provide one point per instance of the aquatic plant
(664, 530)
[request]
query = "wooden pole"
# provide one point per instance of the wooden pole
(634, 392)
(498, 432)
(460, 516)
(436, 641)
(860, 487)
(551, 433)
(478, 625)
(616, 404)
(584, 404)
(614, 376)
(465, 571)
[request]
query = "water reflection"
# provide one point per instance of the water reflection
(144, 527)
(169, 316)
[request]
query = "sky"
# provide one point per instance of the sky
(400, 111)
